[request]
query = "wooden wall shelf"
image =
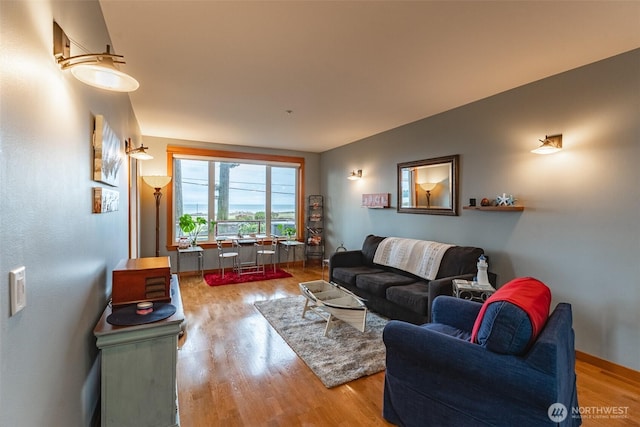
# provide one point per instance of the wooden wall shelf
(496, 208)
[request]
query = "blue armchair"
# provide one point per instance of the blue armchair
(436, 377)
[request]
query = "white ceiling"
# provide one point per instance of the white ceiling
(228, 71)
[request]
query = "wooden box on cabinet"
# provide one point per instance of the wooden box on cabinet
(141, 279)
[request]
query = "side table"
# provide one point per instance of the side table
(192, 250)
(474, 291)
(290, 247)
(245, 246)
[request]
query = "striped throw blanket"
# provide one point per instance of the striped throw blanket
(419, 257)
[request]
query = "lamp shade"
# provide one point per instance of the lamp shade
(428, 186)
(156, 181)
(550, 144)
(140, 155)
(104, 75)
(355, 175)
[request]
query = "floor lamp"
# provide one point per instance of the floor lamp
(428, 187)
(157, 182)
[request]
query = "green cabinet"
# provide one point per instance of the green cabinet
(138, 373)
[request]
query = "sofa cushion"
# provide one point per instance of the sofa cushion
(369, 247)
(459, 260)
(448, 330)
(349, 274)
(414, 297)
(377, 284)
(511, 319)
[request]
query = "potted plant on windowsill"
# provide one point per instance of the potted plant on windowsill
(192, 227)
(287, 231)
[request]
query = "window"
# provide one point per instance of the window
(236, 193)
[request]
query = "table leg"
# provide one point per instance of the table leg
(329, 324)
(289, 255)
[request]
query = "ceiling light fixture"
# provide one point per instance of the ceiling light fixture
(95, 69)
(355, 175)
(139, 153)
(550, 144)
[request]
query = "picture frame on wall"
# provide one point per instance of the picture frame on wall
(376, 200)
(107, 153)
(105, 200)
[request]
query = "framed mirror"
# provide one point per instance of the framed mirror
(429, 186)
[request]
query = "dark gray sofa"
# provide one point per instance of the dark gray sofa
(395, 293)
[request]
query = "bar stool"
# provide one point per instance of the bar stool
(222, 256)
(261, 252)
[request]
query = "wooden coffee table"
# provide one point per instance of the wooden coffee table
(331, 302)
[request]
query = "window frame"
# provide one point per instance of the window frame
(172, 151)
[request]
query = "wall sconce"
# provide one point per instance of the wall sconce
(139, 153)
(95, 69)
(427, 187)
(550, 144)
(355, 175)
(157, 182)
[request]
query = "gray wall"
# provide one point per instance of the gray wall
(158, 166)
(49, 370)
(579, 232)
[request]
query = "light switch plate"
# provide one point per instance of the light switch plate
(18, 283)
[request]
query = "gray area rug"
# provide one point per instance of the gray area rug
(344, 355)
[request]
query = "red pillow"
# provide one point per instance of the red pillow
(530, 294)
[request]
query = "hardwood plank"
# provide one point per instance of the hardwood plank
(235, 370)
(611, 368)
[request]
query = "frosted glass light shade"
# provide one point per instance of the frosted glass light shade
(140, 155)
(354, 175)
(550, 144)
(104, 76)
(156, 181)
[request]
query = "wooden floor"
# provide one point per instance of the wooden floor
(235, 370)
